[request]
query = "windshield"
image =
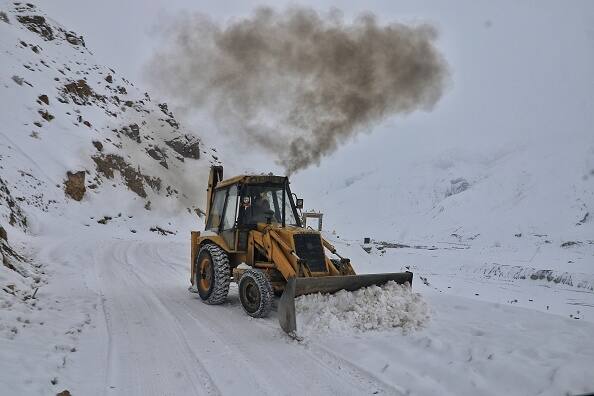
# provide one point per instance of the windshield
(259, 202)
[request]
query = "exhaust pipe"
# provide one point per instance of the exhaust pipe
(296, 287)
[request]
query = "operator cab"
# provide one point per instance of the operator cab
(240, 204)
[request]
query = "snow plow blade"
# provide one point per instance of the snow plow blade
(328, 284)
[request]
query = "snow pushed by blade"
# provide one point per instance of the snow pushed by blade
(369, 308)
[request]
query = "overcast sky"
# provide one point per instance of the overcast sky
(521, 71)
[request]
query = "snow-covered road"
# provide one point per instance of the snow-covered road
(140, 332)
(160, 339)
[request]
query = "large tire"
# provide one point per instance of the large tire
(255, 293)
(212, 274)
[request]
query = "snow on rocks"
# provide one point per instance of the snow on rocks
(70, 114)
(370, 308)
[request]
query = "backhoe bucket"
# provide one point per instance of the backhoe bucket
(328, 284)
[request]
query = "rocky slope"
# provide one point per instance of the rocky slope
(80, 146)
(78, 131)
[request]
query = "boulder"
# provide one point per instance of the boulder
(74, 186)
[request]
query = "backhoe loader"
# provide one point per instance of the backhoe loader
(253, 236)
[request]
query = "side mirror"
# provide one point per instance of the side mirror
(299, 203)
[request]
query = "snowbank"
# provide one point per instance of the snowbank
(370, 308)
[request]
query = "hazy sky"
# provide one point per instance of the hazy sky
(521, 70)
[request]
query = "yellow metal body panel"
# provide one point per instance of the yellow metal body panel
(276, 245)
(271, 242)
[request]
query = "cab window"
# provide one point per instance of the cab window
(231, 209)
(216, 211)
(263, 202)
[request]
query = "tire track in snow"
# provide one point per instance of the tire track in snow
(262, 386)
(327, 358)
(334, 360)
(155, 330)
(239, 348)
(115, 260)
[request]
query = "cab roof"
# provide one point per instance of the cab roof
(251, 179)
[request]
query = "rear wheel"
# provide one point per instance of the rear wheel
(255, 293)
(212, 274)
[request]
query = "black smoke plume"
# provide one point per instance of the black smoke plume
(298, 83)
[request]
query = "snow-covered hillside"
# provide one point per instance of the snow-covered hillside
(63, 113)
(99, 184)
(506, 223)
(487, 194)
(80, 147)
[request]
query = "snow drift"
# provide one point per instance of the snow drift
(370, 308)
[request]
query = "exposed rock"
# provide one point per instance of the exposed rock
(18, 80)
(87, 123)
(570, 243)
(37, 24)
(104, 220)
(80, 92)
(165, 109)
(10, 258)
(73, 39)
(64, 393)
(98, 145)
(4, 17)
(46, 115)
(172, 122)
(16, 217)
(161, 231)
(457, 186)
(44, 99)
(186, 146)
(107, 164)
(75, 185)
(584, 219)
(109, 78)
(171, 191)
(132, 131)
(157, 153)
(3, 234)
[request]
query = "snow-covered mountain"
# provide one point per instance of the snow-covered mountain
(66, 114)
(80, 144)
(80, 147)
(511, 196)
(519, 212)
(99, 183)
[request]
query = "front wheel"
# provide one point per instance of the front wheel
(212, 274)
(255, 293)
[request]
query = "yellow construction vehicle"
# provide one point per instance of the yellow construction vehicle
(253, 236)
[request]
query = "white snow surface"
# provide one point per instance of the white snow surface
(511, 306)
(370, 308)
(116, 318)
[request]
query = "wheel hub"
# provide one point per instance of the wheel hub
(251, 295)
(205, 274)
